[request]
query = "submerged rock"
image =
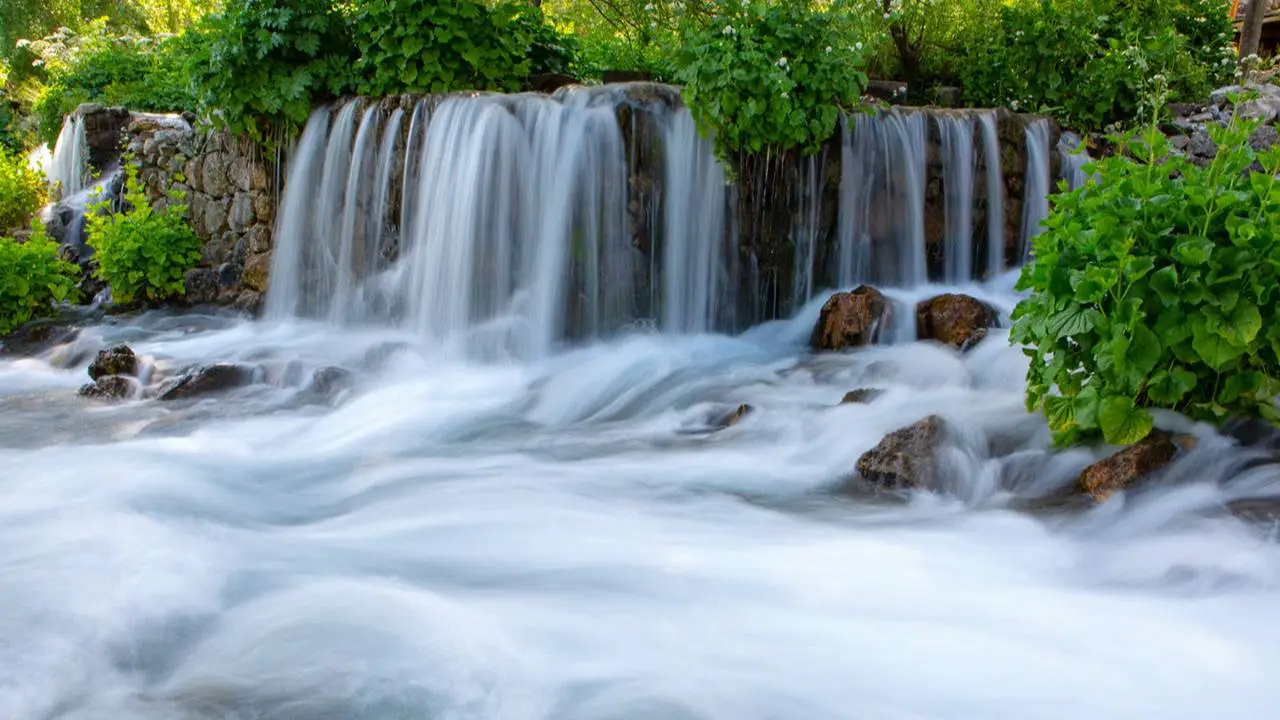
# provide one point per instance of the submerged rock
(207, 379)
(736, 416)
(905, 458)
(35, 338)
(1121, 470)
(953, 319)
(861, 395)
(851, 319)
(331, 380)
(109, 387)
(118, 360)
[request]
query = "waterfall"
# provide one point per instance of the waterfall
(882, 197)
(1036, 186)
(295, 224)
(955, 133)
(69, 166)
(1074, 157)
(807, 231)
(695, 272)
(995, 194)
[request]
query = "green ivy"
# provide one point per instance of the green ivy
(32, 278)
(143, 254)
(770, 75)
(443, 45)
(1156, 287)
(263, 63)
(22, 190)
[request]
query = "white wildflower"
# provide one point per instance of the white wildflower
(782, 62)
(1014, 104)
(784, 94)
(648, 8)
(728, 30)
(653, 26)
(857, 46)
(887, 16)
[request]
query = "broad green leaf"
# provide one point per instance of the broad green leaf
(1060, 412)
(1193, 250)
(1216, 351)
(1168, 388)
(1074, 320)
(1122, 422)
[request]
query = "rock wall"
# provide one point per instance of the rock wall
(230, 186)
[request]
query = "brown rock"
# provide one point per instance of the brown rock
(201, 286)
(861, 395)
(905, 458)
(215, 176)
(215, 216)
(736, 416)
(1121, 470)
(953, 319)
(118, 360)
(257, 271)
(259, 238)
(851, 319)
(263, 208)
(248, 302)
(205, 380)
(194, 173)
(110, 387)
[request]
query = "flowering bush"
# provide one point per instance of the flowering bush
(770, 75)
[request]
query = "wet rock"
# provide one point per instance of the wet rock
(736, 416)
(201, 285)
(905, 458)
(953, 319)
(259, 239)
(264, 208)
(1121, 470)
(214, 174)
(851, 319)
(241, 213)
(110, 387)
(257, 270)
(35, 338)
(118, 360)
(248, 302)
(331, 380)
(861, 396)
(205, 380)
(379, 356)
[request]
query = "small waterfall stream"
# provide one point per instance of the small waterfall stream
(1037, 185)
(68, 169)
(956, 134)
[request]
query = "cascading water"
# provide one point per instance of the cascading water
(1074, 157)
(1037, 184)
(806, 233)
(68, 169)
(956, 136)
(995, 194)
(882, 199)
(296, 229)
(695, 275)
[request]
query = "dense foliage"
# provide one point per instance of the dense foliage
(1157, 287)
(22, 191)
(270, 60)
(1092, 63)
(434, 46)
(770, 75)
(141, 73)
(32, 279)
(143, 254)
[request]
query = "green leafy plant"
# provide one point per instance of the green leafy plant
(1094, 63)
(141, 73)
(22, 190)
(263, 63)
(443, 45)
(32, 278)
(1157, 287)
(142, 253)
(770, 75)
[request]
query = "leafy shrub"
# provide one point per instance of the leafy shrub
(1157, 287)
(550, 51)
(1092, 63)
(264, 62)
(22, 190)
(769, 75)
(443, 45)
(140, 73)
(32, 279)
(143, 254)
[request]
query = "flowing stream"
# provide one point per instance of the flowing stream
(571, 538)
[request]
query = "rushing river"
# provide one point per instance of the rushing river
(572, 539)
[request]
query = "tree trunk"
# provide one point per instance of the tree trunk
(1251, 31)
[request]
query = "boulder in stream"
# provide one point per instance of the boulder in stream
(736, 416)
(851, 319)
(861, 396)
(954, 319)
(206, 379)
(118, 360)
(905, 458)
(110, 387)
(1115, 473)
